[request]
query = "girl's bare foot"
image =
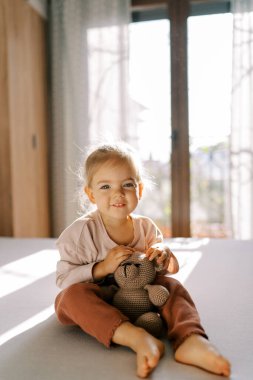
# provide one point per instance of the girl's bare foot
(198, 351)
(149, 350)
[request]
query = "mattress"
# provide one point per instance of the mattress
(216, 272)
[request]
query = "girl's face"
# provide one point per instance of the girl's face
(114, 189)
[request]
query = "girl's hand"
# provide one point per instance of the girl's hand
(163, 256)
(115, 256)
(113, 259)
(158, 253)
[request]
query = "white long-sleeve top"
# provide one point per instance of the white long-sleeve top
(86, 242)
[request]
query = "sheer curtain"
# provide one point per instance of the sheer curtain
(241, 175)
(89, 97)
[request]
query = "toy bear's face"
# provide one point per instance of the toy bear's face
(135, 272)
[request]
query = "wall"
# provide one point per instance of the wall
(24, 200)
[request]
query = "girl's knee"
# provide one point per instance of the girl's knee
(76, 291)
(178, 293)
(80, 289)
(171, 284)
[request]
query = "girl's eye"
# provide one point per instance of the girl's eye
(129, 184)
(104, 187)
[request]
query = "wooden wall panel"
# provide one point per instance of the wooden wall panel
(5, 171)
(27, 119)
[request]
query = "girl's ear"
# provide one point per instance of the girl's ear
(140, 189)
(89, 193)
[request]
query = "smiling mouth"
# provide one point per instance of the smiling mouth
(118, 205)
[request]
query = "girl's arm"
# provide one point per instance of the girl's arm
(70, 268)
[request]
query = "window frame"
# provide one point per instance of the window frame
(147, 10)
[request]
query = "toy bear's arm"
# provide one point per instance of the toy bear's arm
(158, 294)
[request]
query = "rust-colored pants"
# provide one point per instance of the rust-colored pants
(85, 305)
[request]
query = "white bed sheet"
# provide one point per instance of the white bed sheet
(217, 273)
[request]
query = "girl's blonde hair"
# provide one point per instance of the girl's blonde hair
(116, 152)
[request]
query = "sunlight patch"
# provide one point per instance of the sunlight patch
(187, 262)
(27, 325)
(25, 271)
(188, 252)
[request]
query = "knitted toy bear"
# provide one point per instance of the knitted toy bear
(136, 297)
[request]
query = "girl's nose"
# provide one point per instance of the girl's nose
(119, 192)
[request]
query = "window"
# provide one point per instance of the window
(209, 76)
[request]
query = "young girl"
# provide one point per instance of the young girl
(94, 245)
